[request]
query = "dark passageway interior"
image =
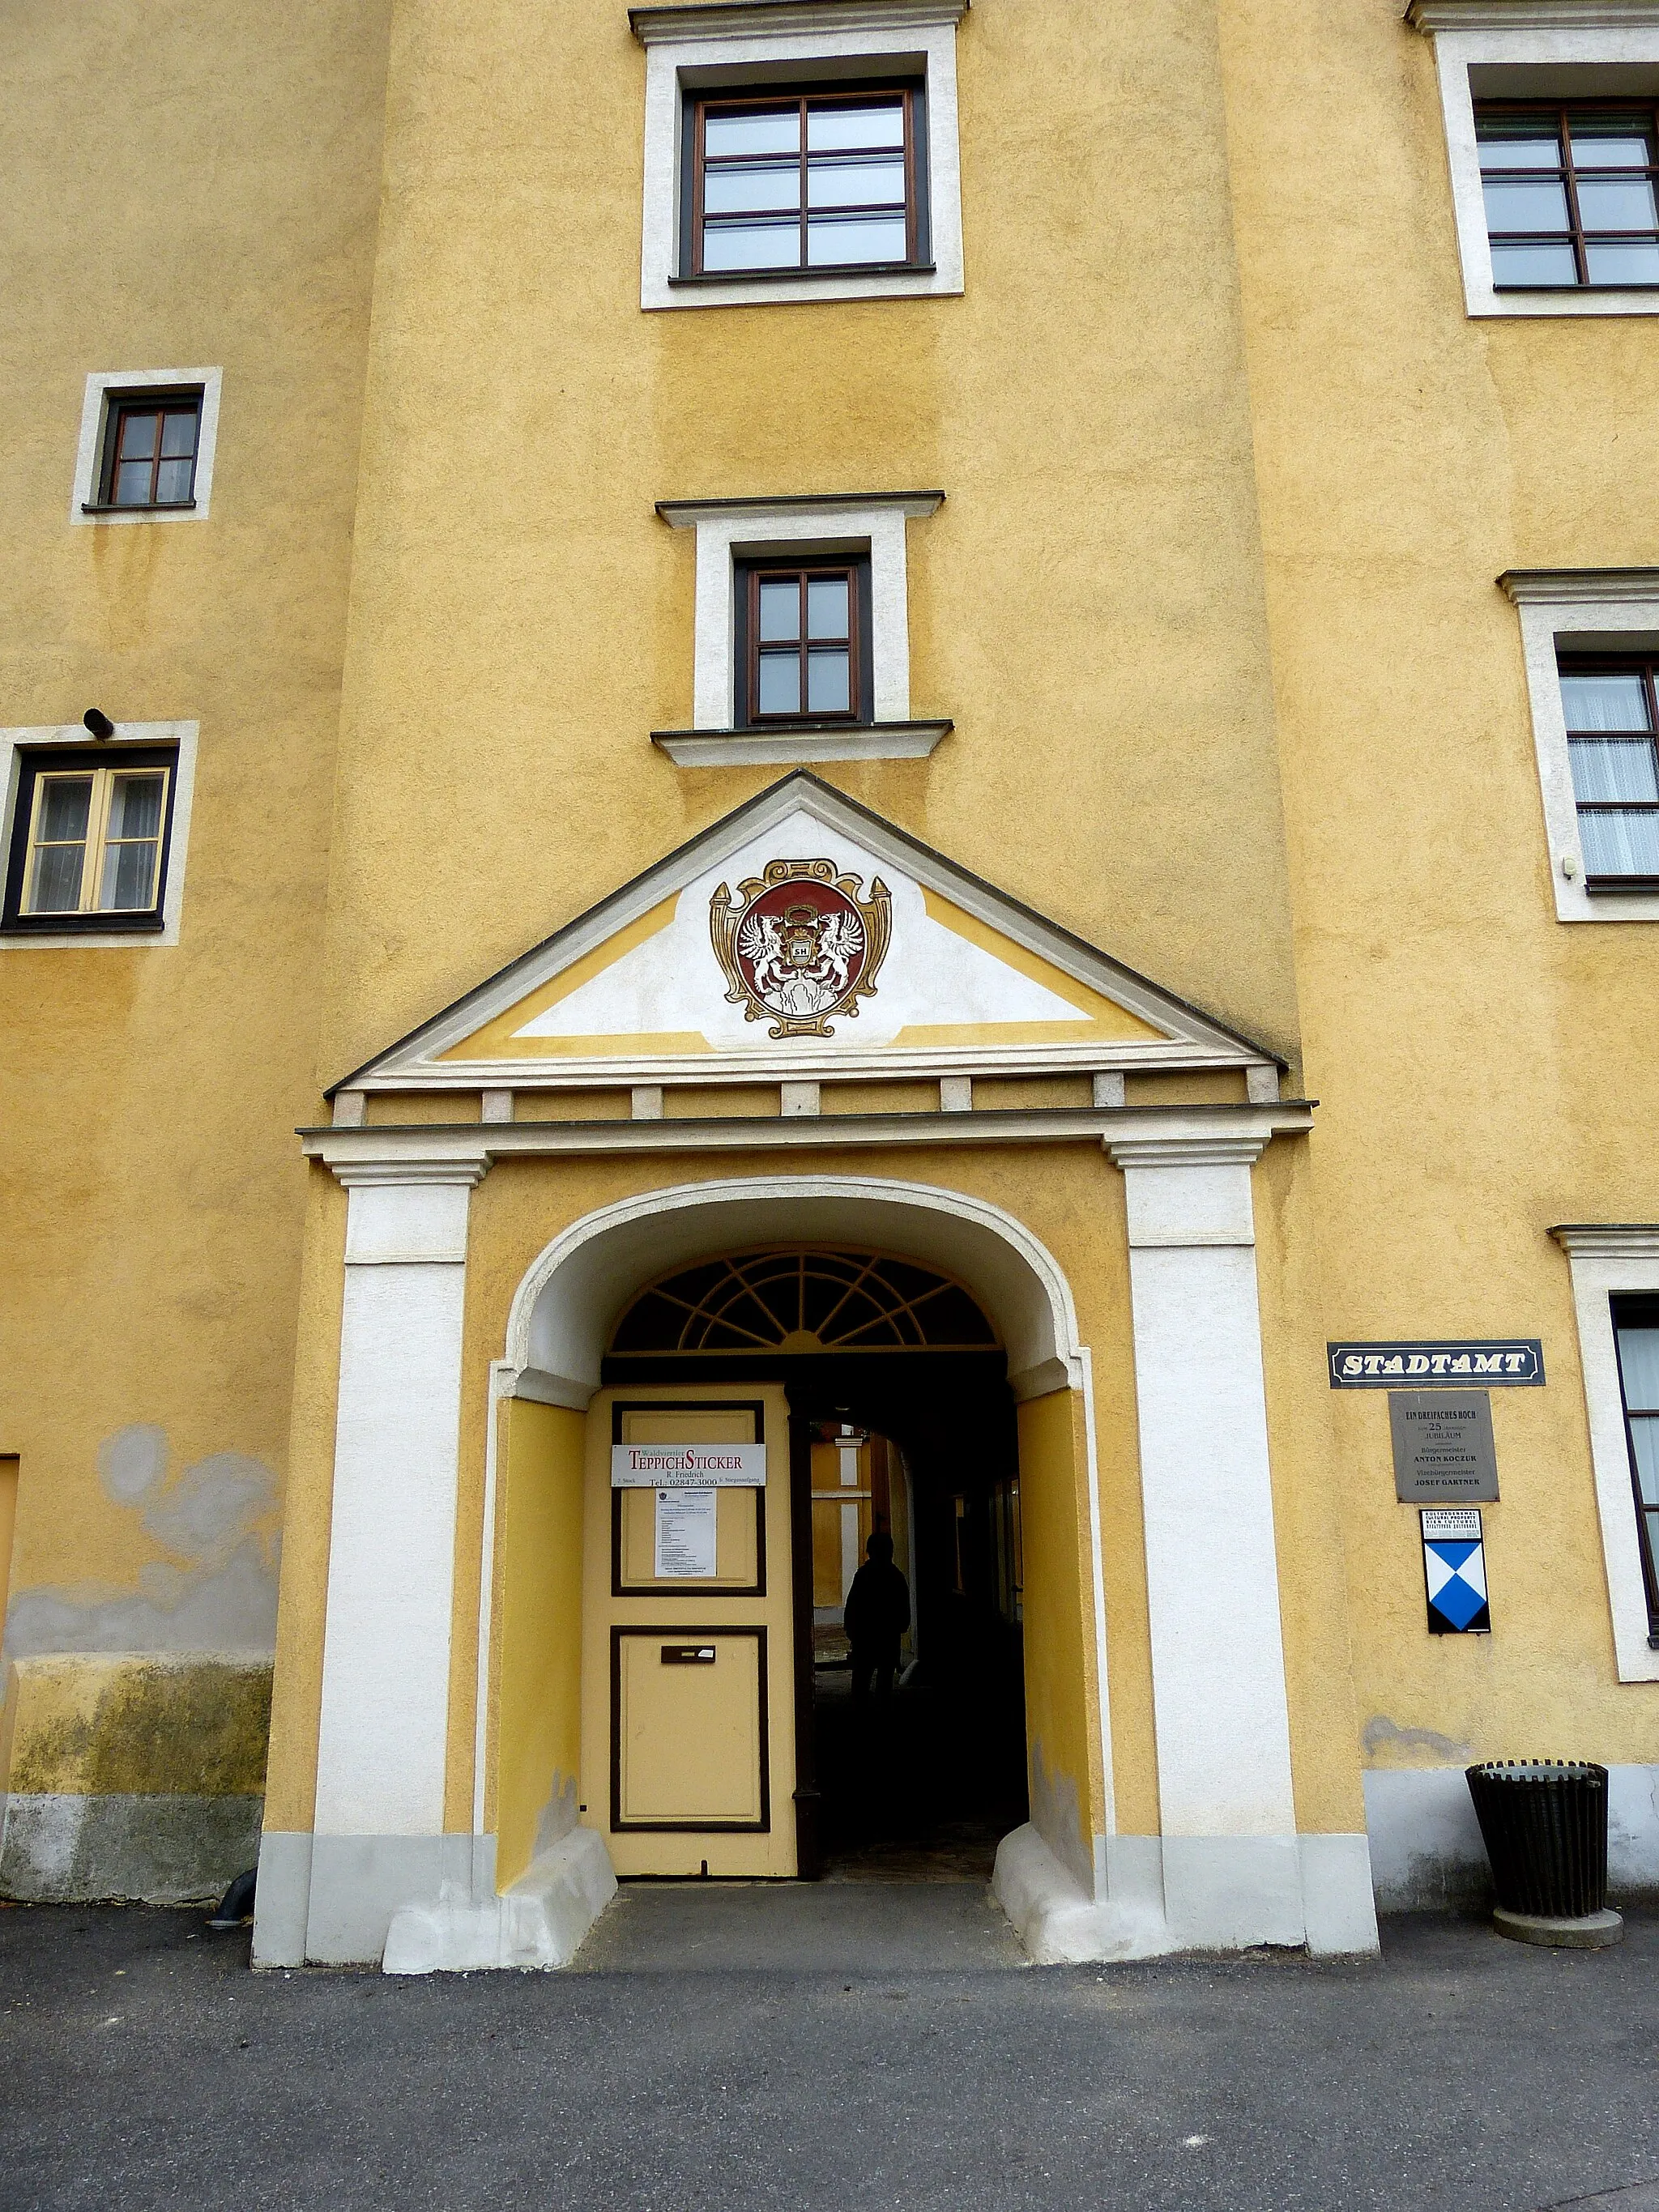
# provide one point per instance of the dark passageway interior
(901, 1424)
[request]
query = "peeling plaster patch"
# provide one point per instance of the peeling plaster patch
(224, 1600)
(1386, 1744)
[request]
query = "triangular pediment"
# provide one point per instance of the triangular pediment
(805, 935)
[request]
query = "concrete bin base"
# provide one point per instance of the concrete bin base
(1591, 1931)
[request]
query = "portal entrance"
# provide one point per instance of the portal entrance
(880, 1391)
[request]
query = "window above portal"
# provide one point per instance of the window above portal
(801, 648)
(806, 152)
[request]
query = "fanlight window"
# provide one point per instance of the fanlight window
(793, 1302)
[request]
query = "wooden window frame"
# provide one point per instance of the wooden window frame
(105, 762)
(1615, 664)
(911, 94)
(118, 406)
(751, 574)
(1635, 1309)
(1558, 113)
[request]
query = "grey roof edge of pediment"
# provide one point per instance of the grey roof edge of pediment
(411, 1056)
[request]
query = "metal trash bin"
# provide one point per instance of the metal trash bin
(1544, 1822)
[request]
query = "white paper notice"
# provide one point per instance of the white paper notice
(685, 1536)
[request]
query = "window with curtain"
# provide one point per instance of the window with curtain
(1609, 709)
(89, 839)
(1571, 194)
(816, 181)
(1636, 1329)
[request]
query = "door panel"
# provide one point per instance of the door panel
(691, 1727)
(688, 1760)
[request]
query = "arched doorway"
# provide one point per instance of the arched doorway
(909, 1281)
(902, 1431)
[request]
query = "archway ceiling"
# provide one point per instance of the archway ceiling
(871, 953)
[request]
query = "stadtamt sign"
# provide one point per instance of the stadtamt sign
(1423, 1365)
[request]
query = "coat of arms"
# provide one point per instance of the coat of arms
(798, 945)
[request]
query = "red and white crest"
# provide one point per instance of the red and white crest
(798, 945)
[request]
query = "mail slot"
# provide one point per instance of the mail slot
(687, 1655)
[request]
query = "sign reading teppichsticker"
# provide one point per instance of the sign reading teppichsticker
(1430, 1366)
(1454, 1573)
(688, 1466)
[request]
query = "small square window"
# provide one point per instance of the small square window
(1572, 193)
(1608, 706)
(149, 450)
(89, 839)
(825, 180)
(802, 642)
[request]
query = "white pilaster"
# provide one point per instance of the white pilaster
(392, 1551)
(1232, 1863)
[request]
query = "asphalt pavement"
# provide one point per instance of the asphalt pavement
(911, 2062)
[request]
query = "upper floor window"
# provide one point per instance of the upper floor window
(806, 151)
(149, 451)
(1609, 711)
(146, 450)
(800, 650)
(814, 180)
(1570, 194)
(90, 839)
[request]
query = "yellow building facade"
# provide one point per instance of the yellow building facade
(780, 767)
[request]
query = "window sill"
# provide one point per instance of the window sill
(59, 927)
(794, 743)
(157, 507)
(805, 275)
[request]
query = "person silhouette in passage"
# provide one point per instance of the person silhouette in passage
(877, 1613)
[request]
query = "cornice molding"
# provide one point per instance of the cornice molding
(1582, 587)
(686, 513)
(1189, 1135)
(369, 1173)
(1609, 1240)
(1431, 15)
(747, 19)
(1189, 1149)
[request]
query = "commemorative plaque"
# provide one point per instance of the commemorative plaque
(1443, 1447)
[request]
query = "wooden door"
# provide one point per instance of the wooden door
(687, 1660)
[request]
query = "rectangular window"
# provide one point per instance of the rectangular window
(1570, 194)
(1636, 1328)
(149, 451)
(1609, 709)
(810, 181)
(801, 654)
(89, 839)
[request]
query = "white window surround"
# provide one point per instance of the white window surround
(95, 414)
(756, 42)
(1581, 611)
(1607, 1258)
(729, 530)
(1532, 50)
(182, 734)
